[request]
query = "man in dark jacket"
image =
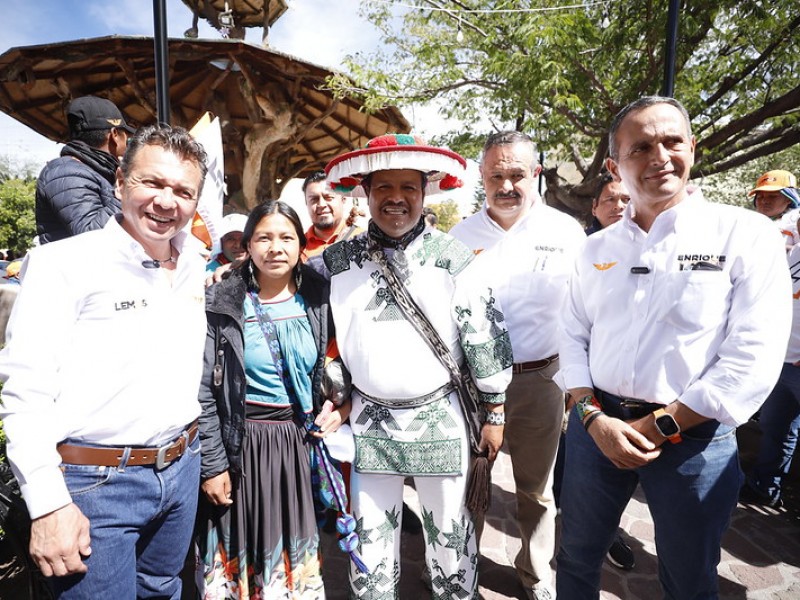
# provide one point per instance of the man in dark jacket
(75, 192)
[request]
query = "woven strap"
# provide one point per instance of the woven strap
(467, 393)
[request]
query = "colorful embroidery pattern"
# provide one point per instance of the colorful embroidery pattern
(447, 252)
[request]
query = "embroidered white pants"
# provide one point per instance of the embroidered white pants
(450, 545)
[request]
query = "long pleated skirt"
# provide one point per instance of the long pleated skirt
(265, 545)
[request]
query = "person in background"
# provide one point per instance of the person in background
(75, 192)
(776, 196)
(431, 219)
(526, 250)
(12, 272)
(609, 202)
(779, 418)
(100, 405)
(672, 335)
(231, 248)
(269, 328)
(326, 210)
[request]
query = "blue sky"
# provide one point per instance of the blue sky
(319, 31)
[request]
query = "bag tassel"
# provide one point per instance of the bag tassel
(345, 523)
(479, 485)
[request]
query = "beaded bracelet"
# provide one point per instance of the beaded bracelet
(586, 406)
(591, 419)
(495, 418)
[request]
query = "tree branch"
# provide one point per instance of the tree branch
(787, 102)
(789, 139)
(730, 81)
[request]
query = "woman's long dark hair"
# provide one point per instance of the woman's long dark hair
(269, 207)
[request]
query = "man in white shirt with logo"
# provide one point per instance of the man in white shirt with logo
(526, 250)
(674, 333)
(101, 373)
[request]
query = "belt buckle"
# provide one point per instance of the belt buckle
(628, 403)
(161, 457)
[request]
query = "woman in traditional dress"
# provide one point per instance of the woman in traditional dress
(269, 328)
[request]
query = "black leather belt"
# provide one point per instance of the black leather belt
(625, 408)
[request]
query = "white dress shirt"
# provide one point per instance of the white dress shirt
(698, 310)
(101, 350)
(528, 268)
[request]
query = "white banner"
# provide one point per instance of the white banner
(207, 221)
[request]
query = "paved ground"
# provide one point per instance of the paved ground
(760, 554)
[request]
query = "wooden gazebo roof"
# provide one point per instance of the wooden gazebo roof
(267, 101)
(248, 13)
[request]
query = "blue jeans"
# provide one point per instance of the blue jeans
(779, 422)
(691, 490)
(141, 522)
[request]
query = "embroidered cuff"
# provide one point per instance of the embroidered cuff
(488, 398)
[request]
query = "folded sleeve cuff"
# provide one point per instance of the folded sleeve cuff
(45, 493)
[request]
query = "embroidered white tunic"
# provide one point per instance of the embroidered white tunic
(390, 361)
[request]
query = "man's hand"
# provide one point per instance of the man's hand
(491, 439)
(622, 444)
(218, 274)
(58, 541)
(218, 489)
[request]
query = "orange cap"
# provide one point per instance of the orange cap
(773, 181)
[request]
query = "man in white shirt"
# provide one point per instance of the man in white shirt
(101, 373)
(526, 251)
(674, 332)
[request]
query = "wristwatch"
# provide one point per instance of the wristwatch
(667, 426)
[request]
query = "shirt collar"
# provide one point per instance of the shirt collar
(312, 235)
(129, 247)
(536, 205)
(672, 219)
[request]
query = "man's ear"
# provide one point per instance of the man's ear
(613, 169)
(119, 184)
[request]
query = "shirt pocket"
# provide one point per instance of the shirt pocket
(696, 300)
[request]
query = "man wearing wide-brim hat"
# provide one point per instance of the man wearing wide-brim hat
(407, 416)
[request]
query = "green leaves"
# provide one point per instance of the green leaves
(17, 217)
(561, 75)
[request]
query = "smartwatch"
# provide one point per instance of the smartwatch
(667, 426)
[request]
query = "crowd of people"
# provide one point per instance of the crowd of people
(171, 404)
